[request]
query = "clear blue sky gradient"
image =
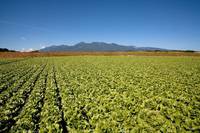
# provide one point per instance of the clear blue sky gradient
(171, 24)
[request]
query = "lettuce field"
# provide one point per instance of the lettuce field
(100, 94)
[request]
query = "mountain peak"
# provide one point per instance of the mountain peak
(97, 46)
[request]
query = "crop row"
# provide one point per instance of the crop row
(11, 90)
(15, 104)
(28, 119)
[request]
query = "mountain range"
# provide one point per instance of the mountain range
(97, 47)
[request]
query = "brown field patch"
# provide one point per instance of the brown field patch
(138, 53)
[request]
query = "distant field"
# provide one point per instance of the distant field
(100, 93)
(137, 53)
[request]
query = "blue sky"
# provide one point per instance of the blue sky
(172, 24)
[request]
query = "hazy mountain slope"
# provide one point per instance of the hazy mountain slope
(96, 46)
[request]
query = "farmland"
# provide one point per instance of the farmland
(100, 94)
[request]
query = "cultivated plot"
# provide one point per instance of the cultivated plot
(100, 94)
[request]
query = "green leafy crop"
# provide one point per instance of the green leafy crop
(100, 94)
